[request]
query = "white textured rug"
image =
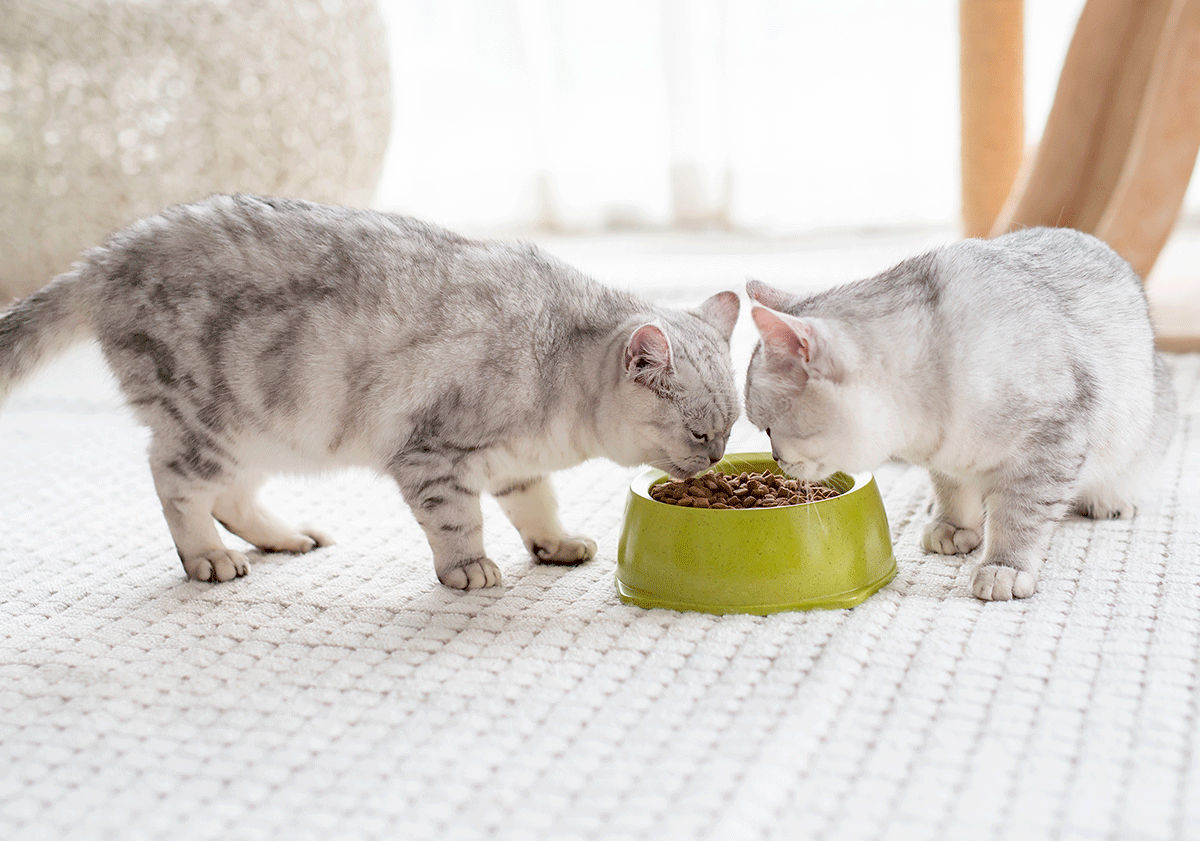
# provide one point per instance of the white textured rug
(345, 694)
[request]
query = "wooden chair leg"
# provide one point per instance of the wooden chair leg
(1146, 200)
(1082, 151)
(1176, 318)
(991, 43)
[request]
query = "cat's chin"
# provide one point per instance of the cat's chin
(676, 472)
(806, 472)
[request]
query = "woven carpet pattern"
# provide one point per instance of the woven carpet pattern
(345, 694)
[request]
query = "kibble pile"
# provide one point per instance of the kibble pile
(744, 490)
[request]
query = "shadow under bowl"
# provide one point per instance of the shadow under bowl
(828, 554)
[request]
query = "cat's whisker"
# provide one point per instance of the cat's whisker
(739, 461)
(815, 511)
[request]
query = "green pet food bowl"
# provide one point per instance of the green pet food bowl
(828, 554)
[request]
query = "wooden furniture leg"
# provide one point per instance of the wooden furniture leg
(991, 42)
(1083, 149)
(1120, 145)
(1146, 199)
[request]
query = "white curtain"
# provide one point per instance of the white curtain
(765, 115)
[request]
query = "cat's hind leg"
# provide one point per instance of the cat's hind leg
(957, 525)
(1115, 472)
(187, 488)
(1107, 482)
(531, 507)
(237, 509)
(1104, 504)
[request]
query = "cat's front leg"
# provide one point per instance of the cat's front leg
(957, 525)
(531, 507)
(449, 513)
(1019, 519)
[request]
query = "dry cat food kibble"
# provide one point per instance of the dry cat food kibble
(744, 490)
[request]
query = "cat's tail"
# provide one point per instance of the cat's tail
(44, 324)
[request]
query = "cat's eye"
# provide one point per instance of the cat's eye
(768, 431)
(700, 436)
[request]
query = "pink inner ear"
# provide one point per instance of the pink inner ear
(648, 350)
(779, 337)
(648, 359)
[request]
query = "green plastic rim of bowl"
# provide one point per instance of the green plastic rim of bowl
(830, 554)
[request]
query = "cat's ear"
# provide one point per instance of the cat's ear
(721, 311)
(648, 358)
(790, 341)
(768, 296)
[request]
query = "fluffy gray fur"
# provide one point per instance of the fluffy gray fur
(255, 336)
(1020, 371)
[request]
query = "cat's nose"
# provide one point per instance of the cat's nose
(774, 452)
(715, 451)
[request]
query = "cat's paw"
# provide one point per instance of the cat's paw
(471, 574)
(997, 583)
(948, 539)
(564, 550)
(300, 543)
(1098, 510)
(218, 565)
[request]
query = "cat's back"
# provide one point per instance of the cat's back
(1049, 277)
(258, 258)
(226, 245)
(1043, 314)
(298, 320)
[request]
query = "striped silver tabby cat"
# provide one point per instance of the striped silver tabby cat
(255, 336)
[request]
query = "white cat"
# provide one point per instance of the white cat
(1020, 371)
